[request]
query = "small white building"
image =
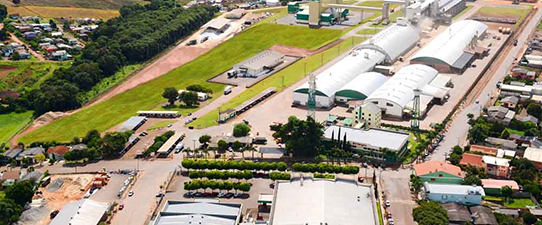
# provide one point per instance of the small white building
(259, 64)
(369, 114)
(446, 193)
(272, 3)
(202, 96)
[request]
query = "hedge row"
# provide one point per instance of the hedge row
(237, 165)
(222, 175)
(279, 176)
(216, 185)
(324, 175)
(325, 168)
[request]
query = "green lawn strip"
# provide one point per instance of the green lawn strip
(463, 12)
(11, 123)
(291, 74)
(412, 144)
(518, 132)
(368, 31)
(108, 82)
(161, 124)
(107, 114)
(496, 11)
(377, 4)
(379, 211)
(27, 75)
(519, 203)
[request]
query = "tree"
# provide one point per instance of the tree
(222, 145)
(506, 192)
(528, 218)
(241, 130)
(302, 137)
(535, 110)
(40, 158)
(3, 12)
(505, 134)
(416, 183)
(472, 180)
(430, 213)
(15, 56)
(204, 140)
(171, 94)
(21, 192)
(112, 143)
(189, 98)
(478, 133)
(9, 211)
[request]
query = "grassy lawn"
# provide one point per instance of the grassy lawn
(108, 82)
(495, 11)
(2, 194)
(57, 12)
(104, 115)
(161, 124)
(379, 211)
(412, 144)
(11, 123)
(518, 132)
(519, 203)
(377, 4)
(463, 12)
(291, 75)
(368, 31)
(26, 75)
(92, 4)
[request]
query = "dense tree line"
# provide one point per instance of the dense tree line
(17, 195)
(430, 213)
(140, 33)
(159, 141)
(233, 165)
(222, 175)
(216, 185)
(325, 168)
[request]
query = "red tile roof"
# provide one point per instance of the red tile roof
(472, 159)
(60, 149)
(13, 175)
(483, 149)
(435, 166)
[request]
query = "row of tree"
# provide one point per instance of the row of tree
(221, 175)
(233, 165)
(279, 176)
(216, 185)
(325, 168)
(136, 36)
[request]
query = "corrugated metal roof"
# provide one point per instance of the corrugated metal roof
(394, 40)
(365, 83)
(450, 44)
(400, 88)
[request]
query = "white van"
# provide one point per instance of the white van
(179, 147)
(227, 89)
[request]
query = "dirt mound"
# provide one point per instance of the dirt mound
(48, 117)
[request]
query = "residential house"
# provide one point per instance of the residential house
(501, 153)
(510, 102)
(64, 46)
(534, 155)
(23, 54)
(457, 214)
(368, 113)
(14, 16)
(51, 48)
(30, 153)
(529, 118)
(509, 212)
(30, 35)
(500, 114)
(439, 172)
(523, 74)
(56, 34)
(33, 176)
(59, 55)
(57, 152)
(502, 143)
(7, 51)
(483, 215)
(448, 193)
(13, 153)
(493, 165)
(9, 177)
(484, 149)
(493, 186)
(472, 160)
(521, 140)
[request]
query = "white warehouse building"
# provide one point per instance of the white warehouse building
(398, 91)
(384, 47)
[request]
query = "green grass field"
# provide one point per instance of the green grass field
(519, 203)
(109, 82)
(510, 12)
(291, 74)
(369, 31)
(91, 4)
(463, 12)
(11, 123)
(105, 115)
(377, 4)
(26, 75)
(161, 124)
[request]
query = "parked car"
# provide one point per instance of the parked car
(53, 213)
(188, 194)
(121, 206)
(204, 39)
(388, 203)
(237, 195)
(131, 193)
(192, 42)
(191, 127)
(159, 194)
(361, 179)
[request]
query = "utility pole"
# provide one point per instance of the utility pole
(311, 101)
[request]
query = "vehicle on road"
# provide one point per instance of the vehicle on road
(121, 206)
(204, 39)
(361, 179)
(188, 194)
(191, 127)
(189, 114)
(228, 89)
(516, 42)
(237, 195)
(179, 147)
(365, 165)
(131, 193)
(53, 213)
(388, 203)
(232, 73)
(192, 42)
(477, 101)
(160, 194)
(169, 125)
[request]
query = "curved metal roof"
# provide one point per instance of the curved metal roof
(339, 74)
(393, 41)
(400, 88)
(364, 84)
(450, 44)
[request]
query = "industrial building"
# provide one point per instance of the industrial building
(84, 212)
(360, 87)
(316, 202)
(395, 97)
(260, 64)
(386, 46)
(133, 123)
(454, 49)
(367, 115)
(198, 213)
(376, 142)
(447, 193)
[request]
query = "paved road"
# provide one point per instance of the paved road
(457, 133)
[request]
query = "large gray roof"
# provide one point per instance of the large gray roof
(393, 41)
(265, 58)
(449, 46)
(131, 123)
(377, 138)
(365, 83)
(198, 213)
